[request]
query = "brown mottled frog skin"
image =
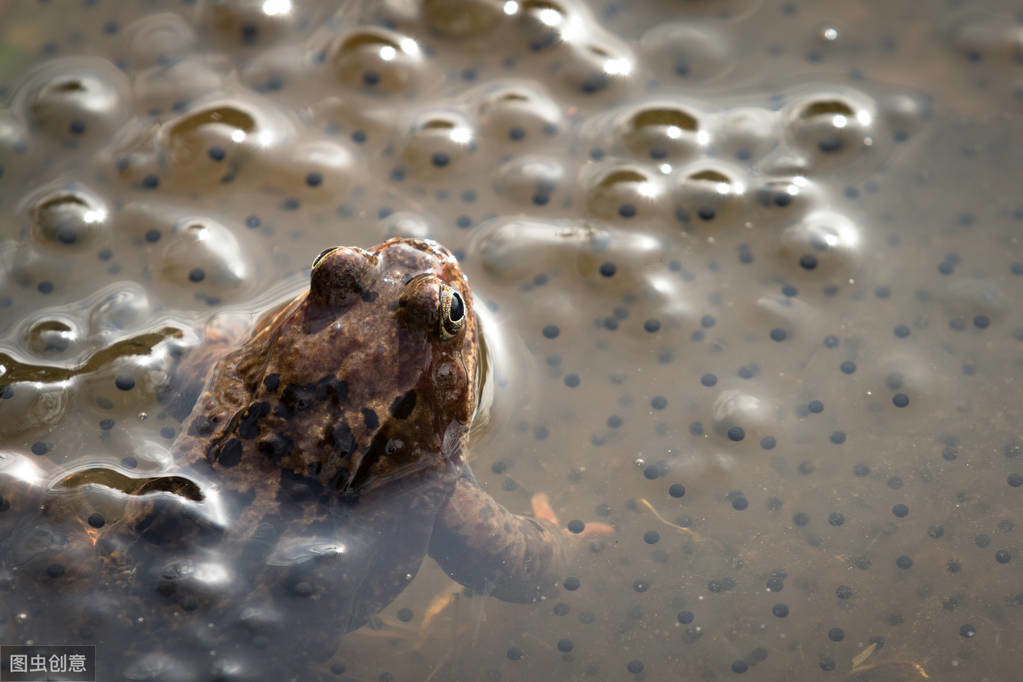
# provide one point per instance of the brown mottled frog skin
(322, 460)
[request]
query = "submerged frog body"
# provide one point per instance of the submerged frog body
(323, 459)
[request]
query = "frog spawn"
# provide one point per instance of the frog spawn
(800, 199)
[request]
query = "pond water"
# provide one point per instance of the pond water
(748, 279)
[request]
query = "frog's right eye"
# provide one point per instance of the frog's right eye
(316, 261)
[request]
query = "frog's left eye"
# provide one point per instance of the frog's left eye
(316, 261)
(452, 312)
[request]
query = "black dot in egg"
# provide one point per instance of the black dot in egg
(652, 325)
(774, 584)
(676, 490)
(967, 631)
(836, 519)
(736, 433)
(96, 520)
(560, 609)
(55, 570)
(608, 269)
(572, 380)
(836, 634)
(830, 341)
(900, 511)
(571, 584)
(800, 518)
(815, 406)
(440, 159)
(709, 380)
(515, 653)
(151, 181)
(768, 442)
(640, 585)
(252, 222)
(827, 663)
(805, 468)
(808, 261)
(739, 667)
(901, 331)
(124, 382)
(314, 179)
(405, 615)
(658, 402)
(196, 275)
(1015, 480)
(45, 287)
(981, 321)
(358, 136)
(900, 400)
(576, 526)
(780, 610)
(217, 153)
(904, 561)
(153, 235)
(1003, 556)
(844, 592)
(565, 645)
(778, 334)
(685, 617)
(847, 367)
(946, 268)
(106, 424)
(837, 437)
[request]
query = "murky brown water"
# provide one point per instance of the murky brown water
(748, 268)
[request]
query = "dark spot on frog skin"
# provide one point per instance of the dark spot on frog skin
(294, 399)
(298, 397)
(342, 439)
(271, 381)
(231, 453)
(248, 427)
(276, 446)
(371, 419)
(403, 405)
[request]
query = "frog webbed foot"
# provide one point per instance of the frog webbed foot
(513, 557)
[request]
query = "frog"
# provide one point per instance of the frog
(318, 463)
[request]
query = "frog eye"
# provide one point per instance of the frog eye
(316, 261)
(452, 312)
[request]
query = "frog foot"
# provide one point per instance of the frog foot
(542, 509)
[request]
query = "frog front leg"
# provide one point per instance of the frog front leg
(484, 546)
